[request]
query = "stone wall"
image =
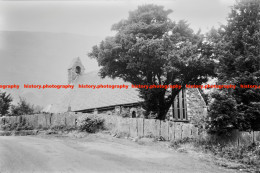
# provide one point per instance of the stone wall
(196, 106)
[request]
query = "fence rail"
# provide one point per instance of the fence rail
(135, 127)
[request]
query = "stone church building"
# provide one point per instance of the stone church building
(188, 105)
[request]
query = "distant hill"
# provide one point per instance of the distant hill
(41, 58)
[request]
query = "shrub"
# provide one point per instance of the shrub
(6, 127)
(22, 108)
(91, 123)
(17, 126)
(223, 113)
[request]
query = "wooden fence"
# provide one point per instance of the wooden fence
(132, 126)
(135, 127)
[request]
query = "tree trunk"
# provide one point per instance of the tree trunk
(163, 111)
(164, 105)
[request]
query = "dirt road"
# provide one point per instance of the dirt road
(35, 154)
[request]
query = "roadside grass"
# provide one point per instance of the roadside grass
(89, 124)
(247, 157)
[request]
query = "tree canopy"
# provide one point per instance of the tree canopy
(22, 108)
(237, 47)
(149, 48)
(5, 103)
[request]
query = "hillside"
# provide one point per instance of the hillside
(41, 58)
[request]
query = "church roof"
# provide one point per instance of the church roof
(47, 108)
(87, 98)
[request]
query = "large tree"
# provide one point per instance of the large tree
(237, 46)
(149, 48)
(5, 102)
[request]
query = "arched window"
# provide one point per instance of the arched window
(78, 70)
(133, 114)
(180, 107)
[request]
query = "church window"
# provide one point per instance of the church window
(180, 107)
(78, 70)
(133, 114)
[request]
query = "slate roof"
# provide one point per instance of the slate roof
(88, 98)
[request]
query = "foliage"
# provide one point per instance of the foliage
(223, 112)
(22, 108)
(22, 125)
(91, 123)
(149, 48)
(246, 154)
(237, 47)
(5, 103)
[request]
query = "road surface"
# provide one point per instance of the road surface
(36, 154)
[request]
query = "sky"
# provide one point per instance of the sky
(44, 51)
(96, 17)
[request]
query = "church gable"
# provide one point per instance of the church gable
(186, 106)
(75, 69)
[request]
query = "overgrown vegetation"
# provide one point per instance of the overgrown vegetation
(22, 108)
(22, 125)
(5, 103)
(237, 48)
(91, 123)
(245, 154)
(223, 113)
